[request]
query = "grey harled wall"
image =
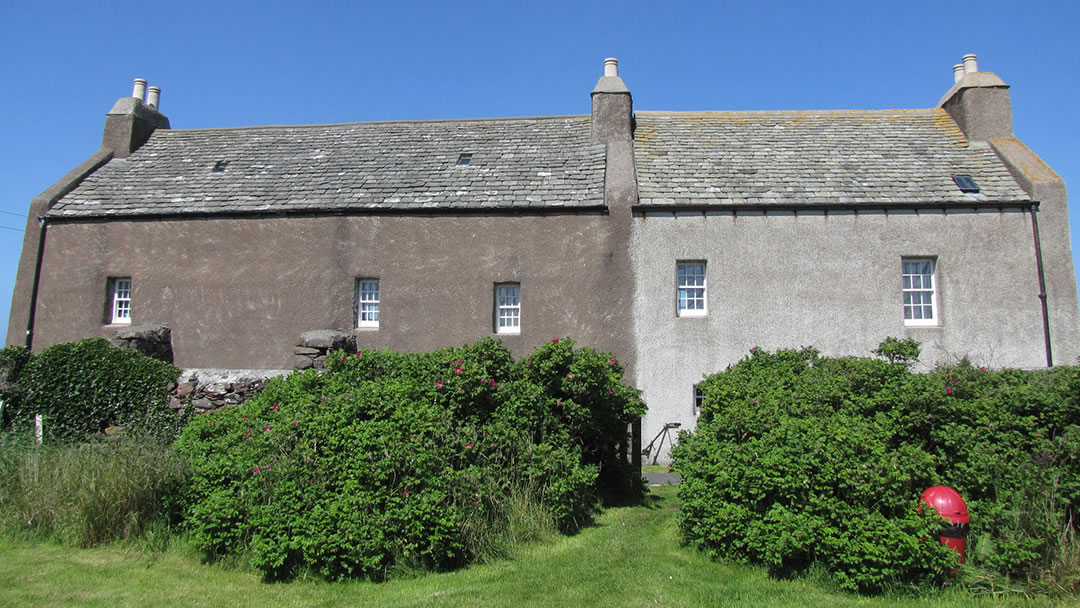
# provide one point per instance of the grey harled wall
(832, 282)
(237, 292)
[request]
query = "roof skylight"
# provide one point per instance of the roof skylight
(465, 159)
(966, 183)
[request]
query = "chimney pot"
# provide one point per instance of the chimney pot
(958, 72)
(611, 67)
(139, 92)
(153, 97)
(970, 66)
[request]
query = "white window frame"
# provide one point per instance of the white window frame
(120, 294)
(508, 308)
(368, 302)
(699, 399)
(691, 297)
(917, 295)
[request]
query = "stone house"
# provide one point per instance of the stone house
(676, 240)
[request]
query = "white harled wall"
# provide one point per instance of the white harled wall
(831, 281)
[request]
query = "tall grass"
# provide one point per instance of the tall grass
(502, 531)
(90, 493)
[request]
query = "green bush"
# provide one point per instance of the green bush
(801, 461)
(12, 361)
(388, 461)
(91, 493)
(80, 388)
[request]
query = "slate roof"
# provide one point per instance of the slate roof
(520, 163)
(811, 158)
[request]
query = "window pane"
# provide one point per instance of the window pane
(368, 296)
(918, 291)
(121, 300)
(690, 288)
(508, 308)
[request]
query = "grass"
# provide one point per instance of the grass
(631, 557)
(86, 494)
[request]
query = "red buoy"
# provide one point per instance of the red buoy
(948, 504)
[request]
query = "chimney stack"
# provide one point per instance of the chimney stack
(978, 102)
(132, 120)
(612, 106)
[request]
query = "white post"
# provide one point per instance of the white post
(38, 428)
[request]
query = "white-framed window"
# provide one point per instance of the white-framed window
(920, 291)
(367, 302)
(690, 289)
(699, 399)
(508, 308)
(120, 291)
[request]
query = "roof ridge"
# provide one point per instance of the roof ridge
(783, 112)
(375, 122)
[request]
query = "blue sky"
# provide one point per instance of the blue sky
(252, 63)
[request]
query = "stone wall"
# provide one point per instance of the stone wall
(151, 339)
(313, 346)
(209, 389)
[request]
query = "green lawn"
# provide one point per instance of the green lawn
(632, 557)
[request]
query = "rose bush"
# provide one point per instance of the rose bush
(801, 460)
(390, 460)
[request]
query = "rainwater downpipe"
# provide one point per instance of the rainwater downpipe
(37, 282)
(1042, 282)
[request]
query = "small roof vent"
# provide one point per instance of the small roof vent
(219, 166)
(465, 159)
(966, 183)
